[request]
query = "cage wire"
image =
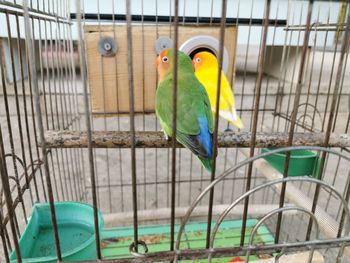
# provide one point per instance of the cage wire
(77, 124)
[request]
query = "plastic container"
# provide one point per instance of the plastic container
(302, 162)
(76, 232)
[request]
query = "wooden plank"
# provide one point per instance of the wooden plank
(108, 76)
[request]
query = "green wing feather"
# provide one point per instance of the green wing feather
(189, 108)
(186, 114)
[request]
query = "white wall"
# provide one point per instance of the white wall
(293, 11)
(296, 14)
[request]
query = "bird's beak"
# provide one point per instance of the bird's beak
(193, 64)
(158, 61)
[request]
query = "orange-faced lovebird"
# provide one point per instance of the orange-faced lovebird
(194, 122)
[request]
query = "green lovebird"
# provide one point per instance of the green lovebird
(194, 123)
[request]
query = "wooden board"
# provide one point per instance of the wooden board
(108, 76)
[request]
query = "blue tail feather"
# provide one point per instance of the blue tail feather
(201, 144)
(205, 138)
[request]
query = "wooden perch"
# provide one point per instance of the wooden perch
(148, 139)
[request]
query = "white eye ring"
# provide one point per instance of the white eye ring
(165, 59)
(198, 60)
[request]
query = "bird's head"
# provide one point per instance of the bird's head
(165, 62)
(203, 60)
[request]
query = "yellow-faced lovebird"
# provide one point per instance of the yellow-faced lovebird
(206, 70)
(194, 120)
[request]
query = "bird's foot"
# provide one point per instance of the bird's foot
(228, 129)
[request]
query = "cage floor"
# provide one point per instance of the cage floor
(116, 241)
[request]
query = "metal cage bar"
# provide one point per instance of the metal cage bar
(290, 83)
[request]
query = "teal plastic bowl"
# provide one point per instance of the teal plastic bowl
(76, 232)
(302, 162)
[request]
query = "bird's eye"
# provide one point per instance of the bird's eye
(165, 59)
(198, 60)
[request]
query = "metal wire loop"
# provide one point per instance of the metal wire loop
(132, 248)
(279, 211)
(278, 181)
(279, 255)
(17, 158)
(243, 163)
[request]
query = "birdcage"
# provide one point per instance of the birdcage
(87, 174)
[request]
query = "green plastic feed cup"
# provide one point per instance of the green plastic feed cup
(76, 233)
(302, 162)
